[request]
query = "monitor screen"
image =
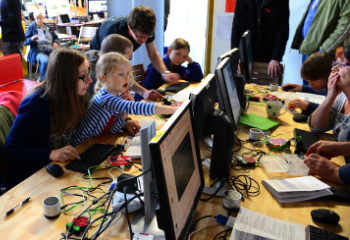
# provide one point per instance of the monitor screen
(178, 173)
(246, 55)
(97, 6)
(228, 91)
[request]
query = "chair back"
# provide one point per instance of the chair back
(51, 24)
(10, 68)
(87, 33)
(261, 77)
(137, 71)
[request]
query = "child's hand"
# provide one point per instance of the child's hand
(297, 103)
(64, 154)
(189, 59)
(126, 96)
(296, 87)
(133, 127)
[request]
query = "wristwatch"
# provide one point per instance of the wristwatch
(165, 73)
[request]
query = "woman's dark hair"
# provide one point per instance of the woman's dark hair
(142, 18)
(347, 46)
(180, 43)
(317, 66)
(60, 88)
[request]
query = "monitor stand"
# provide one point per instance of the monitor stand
(148, 226)
(212, 190)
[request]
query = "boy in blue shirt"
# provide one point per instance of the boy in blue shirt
(177, 55)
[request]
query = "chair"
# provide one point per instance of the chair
(30, 66)
(51, 24)
(261, 77)
(137, 71)
(86, 34)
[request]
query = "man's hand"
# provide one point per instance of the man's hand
(126, 96)
(152, 95)
(322, 167)
(274, 68)
(54, 45)
(64, 154)
(133, 127)
(35, 38)
(297, 103)
(172, 78)
(329, 149)
(296, 87)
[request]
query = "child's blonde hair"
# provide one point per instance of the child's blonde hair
(107, 64)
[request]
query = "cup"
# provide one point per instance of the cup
(273, 109)
(232, 200)
(52, 207)
(273, 86)
(255, 134)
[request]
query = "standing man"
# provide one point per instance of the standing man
(322, 28)
(268, 22)
(11, 27)
(138, 26)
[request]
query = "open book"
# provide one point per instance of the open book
(297, 189)
(134, 151)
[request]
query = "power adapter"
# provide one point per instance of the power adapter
(130, 183)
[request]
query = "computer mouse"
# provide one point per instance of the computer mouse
(325, 216)
(286, 89)
(300, 118)
(54, 170)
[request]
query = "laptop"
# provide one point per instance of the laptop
(65, 18)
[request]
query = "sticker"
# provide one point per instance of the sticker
(157, 136)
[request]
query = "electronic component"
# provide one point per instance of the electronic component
(254, 98)
(127, 141)
(307, 139)
(94, 155)
(119, 160)
(300, 118)
(246, 162)
(125, 181)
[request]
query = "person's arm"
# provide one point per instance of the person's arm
(311, 107)
(146, 94)
(308, 88)
(158, 63)
(193, 72)
(236, 31)
(282, 31)
(344, 174)
(54, 39)
(321, 116)
(336, 38)
(29, 34)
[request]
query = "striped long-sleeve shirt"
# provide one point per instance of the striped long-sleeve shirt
(100, 110)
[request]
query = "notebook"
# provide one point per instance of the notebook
(257, 121)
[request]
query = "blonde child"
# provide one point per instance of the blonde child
(108, 110)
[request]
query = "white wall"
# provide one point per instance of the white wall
(291, 58)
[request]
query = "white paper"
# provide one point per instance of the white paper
(133, 152)
(223, 26)
(41, 37)
(250, 225)
(136, 141)
(307, 183)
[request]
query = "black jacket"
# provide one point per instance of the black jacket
(11, 23)
(269, 27)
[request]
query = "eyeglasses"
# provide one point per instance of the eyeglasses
(340, 64)
(141, 37)
(85, 77)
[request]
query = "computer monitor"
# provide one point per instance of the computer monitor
(238, 80)
(246, 56)
(211, 121)
(229, 94)
(97, 7)
(177, 170)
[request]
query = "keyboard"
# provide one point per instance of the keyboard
(94, 155)
(174, 88)
(307, 139)
(315, 233)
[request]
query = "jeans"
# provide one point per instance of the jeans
(13, 47)
(43, 59)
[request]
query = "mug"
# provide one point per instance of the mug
(273, 86)
(273, 109)
(52, 208)
(232, 200)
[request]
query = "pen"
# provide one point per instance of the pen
(13, 209)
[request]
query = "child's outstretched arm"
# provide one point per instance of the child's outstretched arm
(161, 109)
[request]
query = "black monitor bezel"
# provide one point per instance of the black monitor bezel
(244, 50)
(224, 92)
(164, 218)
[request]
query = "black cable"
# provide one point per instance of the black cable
(127, 212)
(227, 230)
(214, 194)
(240, 144)
(237, 184)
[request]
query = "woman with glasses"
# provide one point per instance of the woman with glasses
(334, 112)
(42, 40)
(44, 128)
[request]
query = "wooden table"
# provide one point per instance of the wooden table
(28, 222)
